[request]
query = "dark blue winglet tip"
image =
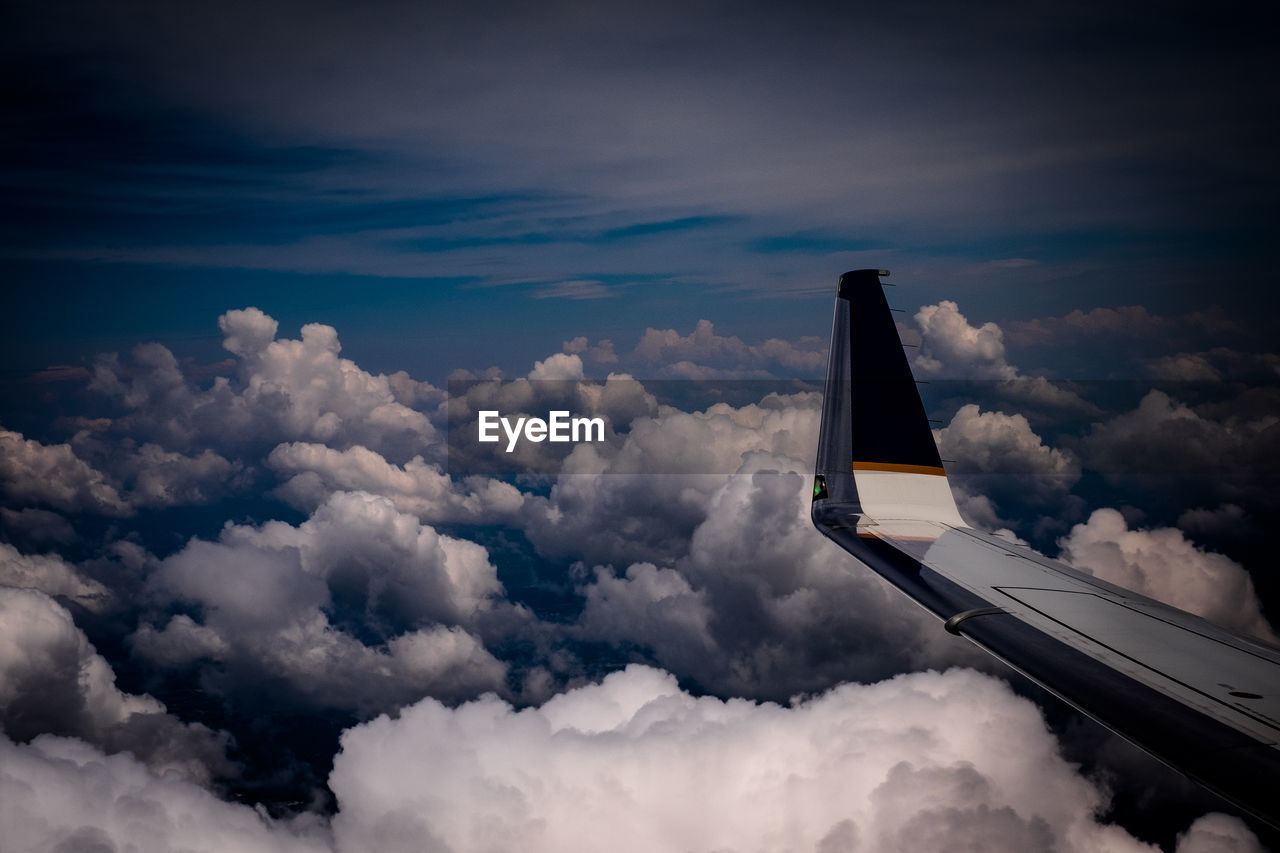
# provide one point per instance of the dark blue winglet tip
(855, 280)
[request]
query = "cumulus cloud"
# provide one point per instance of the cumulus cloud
(364, 608)
(952, 347)
(52, 681)
(361, 607)
(121, 479)
(920, 762)
(998, 464)
(559, 366)
(52, 474)
(1166, 436)
(1162, 564)
(993, 442)
(627, 502)
(283, 389)
(749, 602)
(601, 352)
(1218, 833)
(704, 354)
(161, 477)
(61, 794)
(53, 576)
(315, 472)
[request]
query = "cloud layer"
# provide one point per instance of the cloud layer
(481, 616)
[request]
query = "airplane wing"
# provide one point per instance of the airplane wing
(1200, 698)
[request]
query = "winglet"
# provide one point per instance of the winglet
(876, 453)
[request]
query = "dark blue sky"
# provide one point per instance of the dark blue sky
(458, 189)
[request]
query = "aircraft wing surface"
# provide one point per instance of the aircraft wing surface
(1202, 699)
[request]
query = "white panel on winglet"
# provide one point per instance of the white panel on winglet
(895, 494)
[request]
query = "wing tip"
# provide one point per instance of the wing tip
(855, 280)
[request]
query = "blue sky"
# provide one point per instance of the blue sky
(602, 171)
(245, 247)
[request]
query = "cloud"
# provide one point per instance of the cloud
(1163, 435)
(998, 465)
(610, 505)
(61, 794)
(123, 478)
(1218, 833)
(993, 442)
(1162, 564)
(750, 603)
(52, 681)
(283, 390)
(53, 576)
(1227, 520)
(52, 474)
(316, 472)
(633, 763)
(37, 525)
(601, 352)
(703, 354)
(951, 347)
(364, 608)
(161, 451)
(1215, 365)
(1125, 321)
(559, 366)
(163, 478)
(1184, 367)
(360, 607)
(574, 289)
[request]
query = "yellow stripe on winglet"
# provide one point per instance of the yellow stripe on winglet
(900, 469)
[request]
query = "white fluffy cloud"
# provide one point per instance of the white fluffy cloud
(283, 390)
(162, 477)
(292, 604)
(1218, 833)
(121, 479)
(1162, 564)
(753, 603)
(717, 576)
(53, 681)
(52, 474)
(60, 794)
(315, 472)
(952, 347)
(993, 442)
(998, 464)
(922, 762)
(626, 502)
